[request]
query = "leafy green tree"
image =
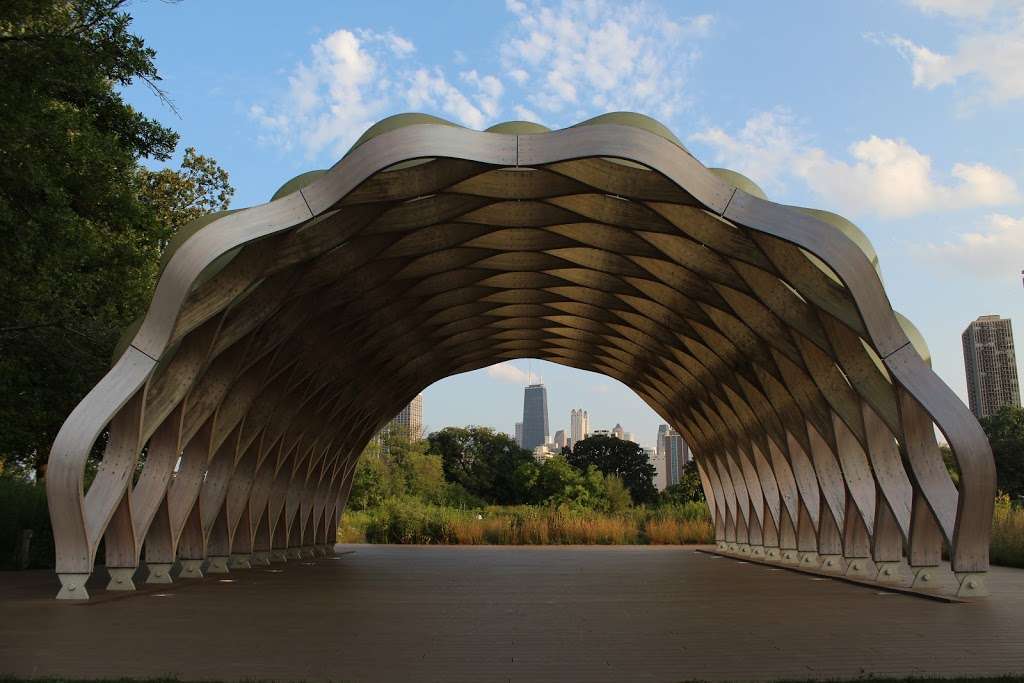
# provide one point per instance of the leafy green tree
(397, 467)
(688, 490)
(1005, 432)
(82, 226)
(621, 458)
(176, 198)
(486, 463)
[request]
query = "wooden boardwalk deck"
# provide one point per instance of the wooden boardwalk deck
(508, 614)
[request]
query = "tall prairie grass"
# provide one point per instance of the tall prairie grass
(1007, 534)
(407, 521)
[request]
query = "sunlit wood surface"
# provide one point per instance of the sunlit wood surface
(281, 338)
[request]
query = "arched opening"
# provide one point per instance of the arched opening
(282, 337)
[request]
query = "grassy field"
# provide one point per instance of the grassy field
(400, 521)
(411, 522)
(1007, 547)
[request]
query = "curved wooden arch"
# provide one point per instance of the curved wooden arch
(281, 338)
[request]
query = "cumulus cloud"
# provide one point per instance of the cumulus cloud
(600, 56)
(884, 176)
(995, 250)
(988, 52)
(352, 79)
(506, 372)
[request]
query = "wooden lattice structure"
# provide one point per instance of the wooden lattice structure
(281, 337)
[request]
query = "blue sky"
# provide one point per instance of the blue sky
(903, 116)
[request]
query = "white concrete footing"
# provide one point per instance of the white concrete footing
(279, 555)
(159, 572)
(935, 580)
(218, 564)
(293, 553)
(832, 564)
(790, 556)
(239, 561)
(121, 578)
(894, 574)
(972, 585)
(306, 552)
(328, 550)
(191, 569)
(722, 545)
(72, 587)
(261, 558)
(809, 559)
(861, 568)
(772, 554)
(757, 552)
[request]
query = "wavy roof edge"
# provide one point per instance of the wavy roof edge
(622, 118)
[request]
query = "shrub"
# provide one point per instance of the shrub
(23, 506)
(1007, 534)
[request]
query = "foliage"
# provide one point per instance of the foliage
(619, 457)
(23, 506)
(1007, 533)
(689, 489)
(82, 226)
(1005, 432)
(484, 462)
(398, 467)
(406, 520)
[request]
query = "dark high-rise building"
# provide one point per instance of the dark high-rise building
(535, 416)
(991, 365)
(677, 454)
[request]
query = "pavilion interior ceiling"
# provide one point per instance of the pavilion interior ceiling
(282, 338)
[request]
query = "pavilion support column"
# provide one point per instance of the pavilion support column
(787, 538)
(770, 533)
(925, 550)
(830, 541)
(807, 539)
(857, 544)
(159, 546)
(242, 556)
(887, 547)
(120, 547)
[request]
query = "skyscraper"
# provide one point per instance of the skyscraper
(991, 365)
(535, 416)
(560, 439)
(617, 431)
(579, 425)
(677, 454)
(659, 444)
(410, 421)
(407, 424)
(519, 434)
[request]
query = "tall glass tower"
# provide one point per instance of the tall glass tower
(535, 416)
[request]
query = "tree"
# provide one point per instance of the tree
(397, 467)
(1005, 431)
(486, 463)
(82, 226)
(621, 458)
(175, 198)
(688, 490)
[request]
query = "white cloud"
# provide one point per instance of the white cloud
(989, 52)
(884, 176)
(506, 372)
(996, 250)
(602, 56)
(961, 9)
(354, 78)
